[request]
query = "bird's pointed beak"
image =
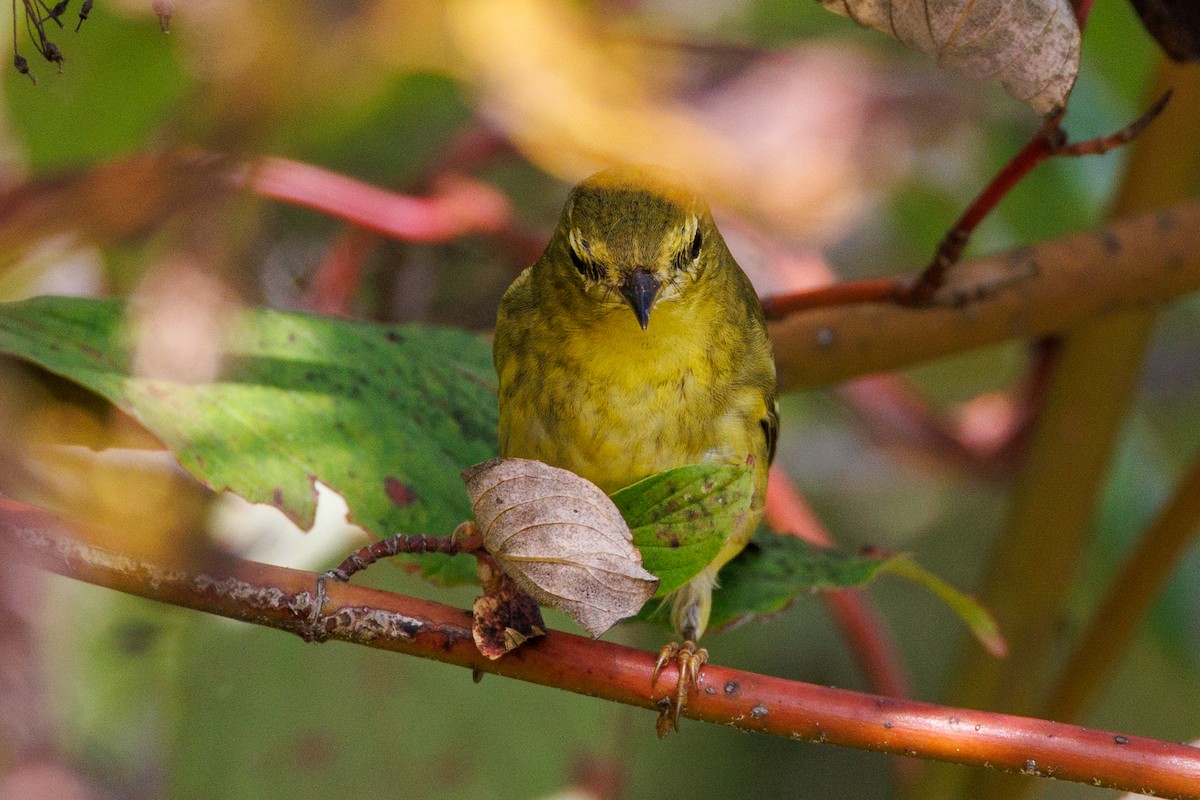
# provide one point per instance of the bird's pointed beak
(640, 289)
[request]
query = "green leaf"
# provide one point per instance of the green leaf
(681, 518)
(774, 570)
(979, 620)
(386, 416)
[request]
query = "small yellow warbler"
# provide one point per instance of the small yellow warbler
(636, 344)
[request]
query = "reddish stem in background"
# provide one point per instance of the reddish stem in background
(896, 413)
(471, 147)
(846, 293)
(457, 206)
(787, 513)
(337, 277)
(1083, 9)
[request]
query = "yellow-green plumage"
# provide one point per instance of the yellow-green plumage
(584, 387)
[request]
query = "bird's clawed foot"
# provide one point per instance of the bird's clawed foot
(690, 659)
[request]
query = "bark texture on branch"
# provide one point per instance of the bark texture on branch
(283, 598)
(1135, 263)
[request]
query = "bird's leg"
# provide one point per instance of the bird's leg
(690, 607)
(690, 659)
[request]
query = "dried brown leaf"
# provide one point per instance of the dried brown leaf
(1031, 47)
(504, 619)
(561, 539)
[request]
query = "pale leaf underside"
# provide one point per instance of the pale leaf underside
(1030, 46)
(561, 539)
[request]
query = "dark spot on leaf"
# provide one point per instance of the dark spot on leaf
(136, 637)
(292, 337)
(1110, 243)
(393, 336)
(312, 751)
(93, 352)
(277, 497)
(400, 493)
(668, 536)
(310, 376)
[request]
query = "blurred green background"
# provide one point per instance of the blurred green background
(130, 699)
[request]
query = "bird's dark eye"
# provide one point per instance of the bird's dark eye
(689, 254)
(587, 268)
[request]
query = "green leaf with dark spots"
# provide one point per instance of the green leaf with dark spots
(385, 416)
(774, 570)
(681, 518)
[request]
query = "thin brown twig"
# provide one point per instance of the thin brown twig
(282, 598)
(1129, 597)
(1050, 140)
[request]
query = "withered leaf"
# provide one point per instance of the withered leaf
(505, 619)
(560, 539)
(1032, 47)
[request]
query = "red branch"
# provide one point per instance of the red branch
(846, 293)
(282, 598)
(1083, 9)
(457, 206)
(336, 279)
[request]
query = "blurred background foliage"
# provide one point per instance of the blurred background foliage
(817, 142)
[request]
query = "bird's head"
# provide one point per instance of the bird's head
(636, 236)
